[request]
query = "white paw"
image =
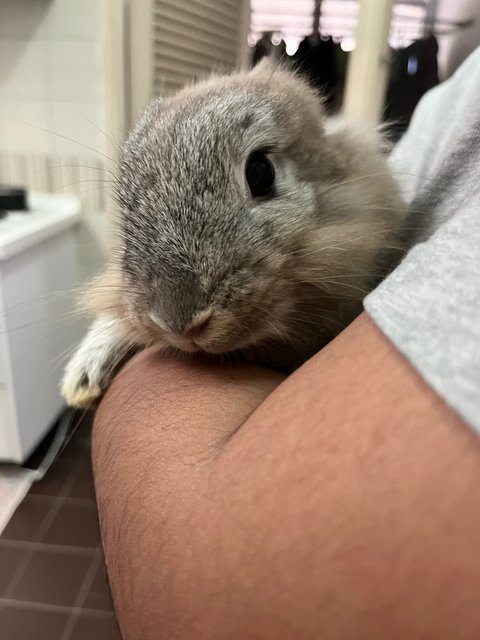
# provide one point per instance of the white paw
(82, 382)
(80, 386)
(93, 365)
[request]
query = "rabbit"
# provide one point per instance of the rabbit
(251, 225)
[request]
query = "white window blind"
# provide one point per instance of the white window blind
(292, 20)
(192, 38)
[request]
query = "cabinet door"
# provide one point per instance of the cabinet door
(38, 299)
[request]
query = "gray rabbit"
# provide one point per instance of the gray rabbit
(250, 225)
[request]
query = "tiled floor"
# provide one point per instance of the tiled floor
(53, 582)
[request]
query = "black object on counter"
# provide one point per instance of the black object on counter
(13, 199)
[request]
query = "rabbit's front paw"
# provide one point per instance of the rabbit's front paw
(81, 383)
(94, 364)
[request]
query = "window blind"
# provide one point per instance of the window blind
(292, 20)
(192, 38)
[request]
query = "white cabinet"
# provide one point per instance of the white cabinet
(38, 272)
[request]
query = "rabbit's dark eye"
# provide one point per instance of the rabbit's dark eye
(260, 174)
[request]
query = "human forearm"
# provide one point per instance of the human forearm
(345, 507)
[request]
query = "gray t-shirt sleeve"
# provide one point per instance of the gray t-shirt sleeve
(429, 307)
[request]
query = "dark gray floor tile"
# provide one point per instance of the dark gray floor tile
(54, 481)
(75, 524)
(83, 486)
(99, 595)
(9, 561)
(53, 578)
(27, 518)
(32, 624)
(95, 628)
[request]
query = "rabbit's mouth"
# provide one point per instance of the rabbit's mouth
(203, 345)
(214, 331)
(225, 326)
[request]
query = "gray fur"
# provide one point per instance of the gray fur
(280, 276)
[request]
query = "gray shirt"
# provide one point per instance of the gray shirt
(429, 307)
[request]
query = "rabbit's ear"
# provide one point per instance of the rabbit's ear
(266, 67)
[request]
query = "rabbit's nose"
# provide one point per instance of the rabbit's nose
(198, 324)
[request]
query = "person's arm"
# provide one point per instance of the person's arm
(346, 506)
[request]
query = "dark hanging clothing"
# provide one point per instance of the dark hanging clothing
(414, 71)
(315, 58)
(342, 59)
(265, 47)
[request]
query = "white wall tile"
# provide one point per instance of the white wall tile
(56, 174)
(19, 120)
(58, 19)
(23, 69)
(23, 19)
(80, 175)
(51, 77)
(25, 169)
(74, 20)
(75, 71)
(79, 121)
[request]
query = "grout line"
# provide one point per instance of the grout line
(53, 608)
(87, 502)
(42, 529)
(88, 581)
(81, 597)
(43, 497)
(22, 567)
(33, 497)
(55, 548)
